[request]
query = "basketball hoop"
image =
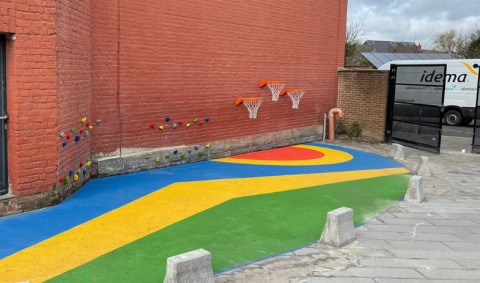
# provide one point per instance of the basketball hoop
(275, 87)
(252, 105)
(295, 95)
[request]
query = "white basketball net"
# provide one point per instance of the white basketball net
(253, 106)
(296, 96)
(276, 88)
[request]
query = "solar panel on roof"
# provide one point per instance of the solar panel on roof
(372, 59)
(391, 56)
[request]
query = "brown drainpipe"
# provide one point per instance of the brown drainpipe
(331, 122)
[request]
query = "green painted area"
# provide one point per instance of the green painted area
(243, 229)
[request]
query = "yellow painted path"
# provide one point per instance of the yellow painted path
(149, 214)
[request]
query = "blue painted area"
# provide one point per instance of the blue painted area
(100, 196)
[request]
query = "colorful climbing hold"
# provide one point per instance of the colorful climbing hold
(167, 119)
(161, 127)
(70, 173)
(176, 151)
(200, 153)
(66, 180)
(82, 131)
(77, 138)
(64, 144)
(81, 164)
(180, 122)
(208, 145)
(200, 123)
(79, 171)
(73, 130)
(174, 126)
(75, 177)
(62, 134)
(88, 124)
(183, 155)
(90, 127)
(167, 156)
(87, 133)
(88, 163)
(195, 121)
(188, 125)
(69, 136)
(62, 179)
(98, 121)
(85, 172)
(152, 125)
(84, 120)
(158, 159)
(196, 147)
(207, 119)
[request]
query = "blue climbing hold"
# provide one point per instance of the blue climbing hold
(207, 119)
(64, 144)
(168, 119)
(70, 173)
(77, 138)
(196, 148)
(84, 172)
(175, 152)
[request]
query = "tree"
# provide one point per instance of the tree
(473, 50)
(353, 45)
(457, 42)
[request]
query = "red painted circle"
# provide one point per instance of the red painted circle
(282, 154)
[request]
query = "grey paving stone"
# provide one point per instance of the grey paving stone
(450, 274)
(437, 199)
(391, 280)
(390, 228)
(474, 229)
(431, 237)
(376, 221)
(374, 244)
(437, 210)
(387, 215)
(455, 204)
(469, 237)
(306, 251)
(419, 245)
(406, 263)
(435, 254)
(444, 230)
(380, 235)
(338, 280)
(407, 222)
(426, 216)
(469, 263)
(460, 216)
(464, 246)
(362, 229)
(378, 272)
(455, 223)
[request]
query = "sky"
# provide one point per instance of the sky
(410, 20)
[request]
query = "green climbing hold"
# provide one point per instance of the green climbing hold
(200, 153)
(167, 156)
(73, 130)
(183, 155)
(66, 180)
(195, 121)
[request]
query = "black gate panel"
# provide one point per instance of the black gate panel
(3, 126)
(415, 105)
(476, 128)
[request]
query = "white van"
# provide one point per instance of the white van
(460, 88)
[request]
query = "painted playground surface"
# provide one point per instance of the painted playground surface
(241, 209)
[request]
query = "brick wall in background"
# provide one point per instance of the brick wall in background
(31, 94)
(362, 95)
(191, 59)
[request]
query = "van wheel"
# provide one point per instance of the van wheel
(453, 118)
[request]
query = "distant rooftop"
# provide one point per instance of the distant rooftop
(380, 59)
(381, 46)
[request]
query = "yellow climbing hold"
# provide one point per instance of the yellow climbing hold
(75, 177)
(188, 125)
(161, 127)
(158, 159)
(208, 145)
(89, 163)
(84, 120)
(90, 127)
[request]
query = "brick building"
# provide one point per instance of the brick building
(130, 63)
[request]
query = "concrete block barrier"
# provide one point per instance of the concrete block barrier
(194, 266)
(339, 230)
(415, 191)
(423, 167)
(397, 152)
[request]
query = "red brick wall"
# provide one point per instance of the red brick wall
(31, 94)
(191, 59)
(74, 82)
(362, 95)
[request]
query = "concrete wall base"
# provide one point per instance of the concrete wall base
(147, 160)
(339, 230)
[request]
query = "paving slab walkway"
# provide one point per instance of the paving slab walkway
(436, 241)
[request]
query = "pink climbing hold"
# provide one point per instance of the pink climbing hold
(152, 125)
(69, 136)
(81, 164)
(81, 131)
